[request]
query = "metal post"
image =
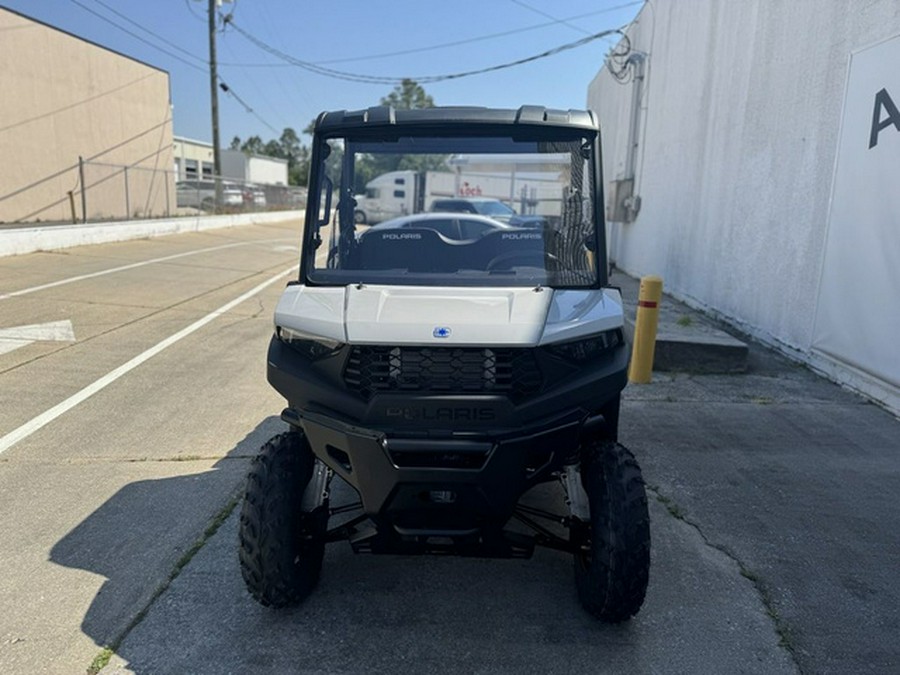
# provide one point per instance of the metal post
(168, 207)
(214, 103)
(72, 206)
(645, 323)
(127, 199)
(83, 189)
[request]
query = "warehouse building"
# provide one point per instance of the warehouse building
(751, 155)
(85, 132)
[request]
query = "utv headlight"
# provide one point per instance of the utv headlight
(311, 346)
(586, 349)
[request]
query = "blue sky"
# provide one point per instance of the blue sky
(355, 36)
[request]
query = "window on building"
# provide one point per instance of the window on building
(207, 170)
(190, 168)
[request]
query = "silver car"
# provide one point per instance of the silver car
(201, 194)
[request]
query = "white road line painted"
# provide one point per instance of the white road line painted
(24, 431)
(20, 336)
(131, 266)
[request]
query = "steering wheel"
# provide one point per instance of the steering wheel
(506, 261)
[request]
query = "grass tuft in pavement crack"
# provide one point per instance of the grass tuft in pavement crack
(786, 637)
(671, 506)
(102, 659)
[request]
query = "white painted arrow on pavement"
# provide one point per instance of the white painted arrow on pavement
(19, 336)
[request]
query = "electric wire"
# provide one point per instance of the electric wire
(193, 13)
(150, 32)
(563, 22)
(442, 45)
(137, 37)
(228, 90)
(421, 79)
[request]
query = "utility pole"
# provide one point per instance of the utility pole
(214, 102)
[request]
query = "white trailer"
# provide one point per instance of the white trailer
(528, 188)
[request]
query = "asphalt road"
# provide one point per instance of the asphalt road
(119, 446)
(773, 503)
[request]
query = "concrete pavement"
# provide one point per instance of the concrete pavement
(774, 520)
(773, 493)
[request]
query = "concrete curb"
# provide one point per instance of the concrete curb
(686, 339)
(19, 241)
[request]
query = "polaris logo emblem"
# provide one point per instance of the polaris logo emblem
(404, 235)
(441, 332)
(442, 414)
(514, 236)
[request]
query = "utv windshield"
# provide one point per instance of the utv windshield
(454, 211)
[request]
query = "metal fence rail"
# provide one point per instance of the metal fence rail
(91, 191)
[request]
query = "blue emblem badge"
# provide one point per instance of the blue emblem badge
(441, 332)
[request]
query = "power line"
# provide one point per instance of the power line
(228, 90)
(137, 37)
(564, 22)
(445, 45)
(422, 79)
(191, 10)
(149, 32)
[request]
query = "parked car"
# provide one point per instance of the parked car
(201, 194)
(492, 208)
(254, 197)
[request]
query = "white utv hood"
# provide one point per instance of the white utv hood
(413, 315)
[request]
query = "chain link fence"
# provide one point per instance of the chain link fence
(92, 191)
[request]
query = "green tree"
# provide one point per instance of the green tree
(235, 143)
(298, 174)
(273, 149)
(408, 95)
(253, 146)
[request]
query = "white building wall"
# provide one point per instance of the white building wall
(254, 168)
(739, 132)
(267, 170)
(234, 164)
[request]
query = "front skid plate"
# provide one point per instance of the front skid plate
(480, 497)
(501, 544)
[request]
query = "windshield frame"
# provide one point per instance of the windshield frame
(343, 196)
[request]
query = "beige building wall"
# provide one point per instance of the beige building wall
(65, 98)
(193, 159)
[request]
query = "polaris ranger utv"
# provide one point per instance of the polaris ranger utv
(444, 364)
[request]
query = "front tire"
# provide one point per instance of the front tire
(612, 565)
(281, 546)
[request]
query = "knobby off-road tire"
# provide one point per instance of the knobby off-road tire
(613, 566)
(281, 547)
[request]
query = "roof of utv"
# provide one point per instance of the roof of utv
(386, 116)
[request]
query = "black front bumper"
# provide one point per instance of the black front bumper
(429, 486)
(450, 464)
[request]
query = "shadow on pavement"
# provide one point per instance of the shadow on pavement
(399, 614)
(136, 538)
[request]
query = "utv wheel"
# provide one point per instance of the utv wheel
(281, 546)
(613, 564)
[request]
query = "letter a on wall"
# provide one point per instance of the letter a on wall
(858, 313)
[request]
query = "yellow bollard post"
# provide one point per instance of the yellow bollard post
(649, 297)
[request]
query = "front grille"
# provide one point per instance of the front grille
(442, 370)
